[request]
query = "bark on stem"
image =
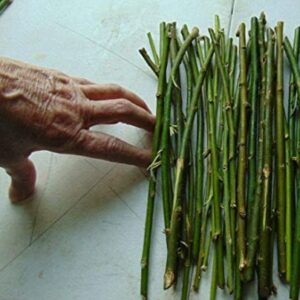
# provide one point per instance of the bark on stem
(258, 39)
(170, 273)
(295, 276)
(155, 149)
(280, 154)
(264, 261)
(242, 159)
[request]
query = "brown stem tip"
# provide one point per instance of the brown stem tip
(169, 279)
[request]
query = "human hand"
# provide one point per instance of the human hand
(42, 109)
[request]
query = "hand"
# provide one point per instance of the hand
(43, 109)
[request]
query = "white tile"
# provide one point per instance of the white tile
(83, 255)
(287, 11)
(70, 179)
(120, 26)
(17, 220)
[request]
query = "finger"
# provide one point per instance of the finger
(23, 177)
(104, 146)
(112, 91)
(118, 110)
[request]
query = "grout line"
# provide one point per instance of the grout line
(157, 240)
(56, 221)
(123, 201)
(13, 259)
(41, 198)
(231, 17)
(103, 47)
(86, 160)
(77, 202)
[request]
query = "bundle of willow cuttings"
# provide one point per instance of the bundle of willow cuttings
(226, 149)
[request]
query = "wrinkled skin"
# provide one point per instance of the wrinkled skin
(43, 109)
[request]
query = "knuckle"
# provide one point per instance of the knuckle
(82, 81)
(88, 112)
(113, 145)
(61, 77)
(66, 93)
(77, 137)
(70, 140)
(123, 107)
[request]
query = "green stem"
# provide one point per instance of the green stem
(204, 243)
(290, 153)
(186, 249)
(199, 158)
(226, 185)
(199, 179)
(152, 182)
(153, 49)
(254, 209)
(185, 245)
(295, 276)
(226, 201)
(199, 169)
(229, 117)
(149, 61)
(265, 263)
(242, 159)
(280, 154)
(238, 284)
(206, 253)
(189, 226)
(179, 117)
(236, 106)
(214, 277)
(293, 63)
(177, 210)
(191, 52)
(215, 72)
(4, 4)
(253, 96)
(294, 292)
(232, 166)
(165, 156)
(186, 278)
(219, 90)
(292, 104)
(289, 202)
(228, 105)
(232, 70)
(165, 145)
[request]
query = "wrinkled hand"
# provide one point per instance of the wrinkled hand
(43, 109)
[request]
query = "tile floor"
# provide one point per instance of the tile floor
(81, 235)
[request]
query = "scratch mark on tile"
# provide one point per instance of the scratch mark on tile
(115, 192)
(103, 47)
